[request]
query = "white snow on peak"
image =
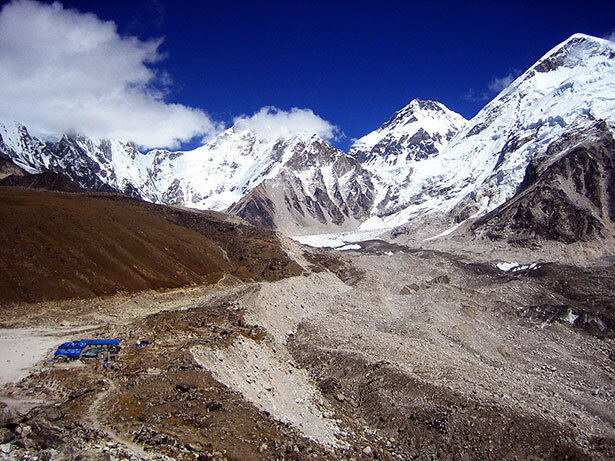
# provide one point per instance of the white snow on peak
(212, 176)
(481, 167)
(221, 172)
(421, 128)
(414, 134)
(425, 159)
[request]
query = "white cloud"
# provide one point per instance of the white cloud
(497, 84)
(473, 96)
(66, 71)
(273, 123)
(611, 36)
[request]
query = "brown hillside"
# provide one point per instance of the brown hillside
(55, 245)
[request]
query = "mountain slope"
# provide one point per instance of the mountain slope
(94, 164)
(568, 196)
(420, 130)
(317, 189)
(482, 166)
(13, 176)
(214, 176)
(217, 174)
(45, 181)
(8, 168)
(313, 184)
(59, 245)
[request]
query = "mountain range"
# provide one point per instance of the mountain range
(426, 159)
(472, 318)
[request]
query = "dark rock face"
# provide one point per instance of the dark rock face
(46, 181)
(71, 160)
(256, 208)
(568, 198)
(308, 190)
(173, 195)
(419, 146)
(66, 157)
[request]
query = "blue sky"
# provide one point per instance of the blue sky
(351, 63)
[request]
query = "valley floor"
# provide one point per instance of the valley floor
(391, 353)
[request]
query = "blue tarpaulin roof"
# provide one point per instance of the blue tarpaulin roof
(74, 348)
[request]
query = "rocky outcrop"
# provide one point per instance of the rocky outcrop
(567, 195)
(318, 188)
(256, 208)
(46, 181)
(8, 168)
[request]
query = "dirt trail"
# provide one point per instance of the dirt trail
(96, 419)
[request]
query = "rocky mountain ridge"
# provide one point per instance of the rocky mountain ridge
(566, 91)
(419, 130)
(568, 197)
(317, 188)
(425, 159)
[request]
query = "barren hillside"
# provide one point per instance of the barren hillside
(58, 245)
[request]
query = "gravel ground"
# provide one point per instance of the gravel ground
(21, 349)
(391, 353)
(457, 328)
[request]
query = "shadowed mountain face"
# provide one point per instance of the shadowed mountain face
(568, 195)
(45, 181)
(57, 245)
(318, 187)
(8, 168)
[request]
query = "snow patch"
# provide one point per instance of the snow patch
(340, 239)
(353, 246)
(570, 317)
(516, 267)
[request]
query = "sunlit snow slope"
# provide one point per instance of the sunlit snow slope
(425, 159)
(481, 167)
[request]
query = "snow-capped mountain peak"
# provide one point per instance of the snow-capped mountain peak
(222, 171)
(569, 88)
(418, 110)
(419, 130)
(213, 176)
(424, 159)
(574, 52)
